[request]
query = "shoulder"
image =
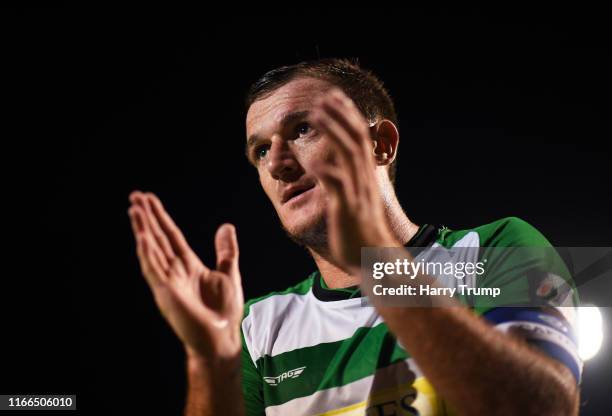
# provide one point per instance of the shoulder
(299, 289)
(504, 232)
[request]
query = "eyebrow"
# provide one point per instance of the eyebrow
(286, 119)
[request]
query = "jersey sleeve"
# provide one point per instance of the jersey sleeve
(538, 294)
(523, 264)
(252, 388)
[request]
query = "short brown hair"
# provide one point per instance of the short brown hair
(361, 85)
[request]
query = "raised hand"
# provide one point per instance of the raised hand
(203, 306)
(356, 216)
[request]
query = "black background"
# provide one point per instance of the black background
(502, 112)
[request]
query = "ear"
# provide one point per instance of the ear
(386, 140)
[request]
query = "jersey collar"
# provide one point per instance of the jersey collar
(424, 237)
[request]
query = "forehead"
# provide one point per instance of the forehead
(296, 96)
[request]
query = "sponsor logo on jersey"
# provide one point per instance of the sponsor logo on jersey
(275, 381)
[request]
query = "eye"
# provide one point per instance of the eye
(303, 129)
(260, 152)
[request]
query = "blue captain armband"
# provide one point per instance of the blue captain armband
(543, 329)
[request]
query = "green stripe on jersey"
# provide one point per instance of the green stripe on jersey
(331, 364)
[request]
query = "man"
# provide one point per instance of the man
(323, 137)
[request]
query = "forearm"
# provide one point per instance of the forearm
(472, 365)
(214, 388)
(476, 368)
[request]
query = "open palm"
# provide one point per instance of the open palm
(203, 306)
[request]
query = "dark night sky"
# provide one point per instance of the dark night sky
(501, 113)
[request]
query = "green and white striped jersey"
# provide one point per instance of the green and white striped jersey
(312, 350)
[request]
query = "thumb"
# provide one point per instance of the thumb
(226, 247)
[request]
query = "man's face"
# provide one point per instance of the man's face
(282, 145)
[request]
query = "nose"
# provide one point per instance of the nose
(282, 163)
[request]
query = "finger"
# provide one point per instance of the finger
(342, 110)
(336, 183)
(140, 251)
(349, 155)
(342, 145)
(359, 126)
(149, 264)
(143, 224)
(156, 229)
(154, 257)
(175, 236)
(134, 196)
(345, 112)
(141, 233)
(137, 198)
(135, 221)
(226, 247)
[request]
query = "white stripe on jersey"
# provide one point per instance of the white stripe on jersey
(286, 322)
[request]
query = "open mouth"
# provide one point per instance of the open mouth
(296, 194)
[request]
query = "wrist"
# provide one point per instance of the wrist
(211, 381)
(205, 365)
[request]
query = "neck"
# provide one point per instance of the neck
(402, 228)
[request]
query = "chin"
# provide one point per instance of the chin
(307, 228)
(302, 222)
